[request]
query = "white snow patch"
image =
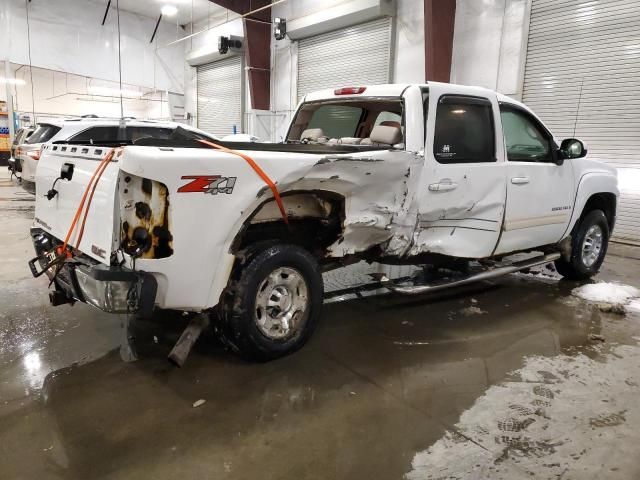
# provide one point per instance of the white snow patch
(634, 306)
(558, 417)
(603, 292)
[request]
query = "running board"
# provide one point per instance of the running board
(485, 275)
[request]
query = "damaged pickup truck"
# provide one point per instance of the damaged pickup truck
(435, 175)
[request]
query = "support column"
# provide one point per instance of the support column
(439, 20)
(8, 75)
(257, 28)
(5, 39)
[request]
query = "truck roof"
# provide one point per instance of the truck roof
(392, 90)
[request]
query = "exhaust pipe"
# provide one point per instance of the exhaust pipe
(486, 275)
(182, 348)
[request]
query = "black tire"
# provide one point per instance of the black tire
(579, 267)
(241, 315)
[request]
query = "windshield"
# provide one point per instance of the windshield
(376, 121)
(43, 133)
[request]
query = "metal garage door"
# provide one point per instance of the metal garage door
(220, 96)
(358, 55)
(583, 73)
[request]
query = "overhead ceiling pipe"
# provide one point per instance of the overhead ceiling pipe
(155, 30)
(106, 12)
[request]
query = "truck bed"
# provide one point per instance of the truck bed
(321, 149)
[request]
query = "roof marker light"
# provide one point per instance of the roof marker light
(349, 90)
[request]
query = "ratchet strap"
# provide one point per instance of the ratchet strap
(256, 168)
(62, 251)
(91, 187)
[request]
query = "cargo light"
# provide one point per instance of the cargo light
(349, 90)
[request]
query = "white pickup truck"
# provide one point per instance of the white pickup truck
(435, 175)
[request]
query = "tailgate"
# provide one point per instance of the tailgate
(56, 215)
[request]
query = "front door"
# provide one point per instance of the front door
(463, 186)
(539, 191)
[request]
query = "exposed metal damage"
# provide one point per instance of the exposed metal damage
(144, 218)
(375, 198)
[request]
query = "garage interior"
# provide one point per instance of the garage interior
(510, 378)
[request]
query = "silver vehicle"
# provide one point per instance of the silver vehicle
(21, 136)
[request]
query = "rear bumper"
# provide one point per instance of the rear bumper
(28, 168)
(112, 289)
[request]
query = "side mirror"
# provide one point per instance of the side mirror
(572, 148)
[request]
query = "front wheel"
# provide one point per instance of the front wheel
(274, 306)
(588, 247)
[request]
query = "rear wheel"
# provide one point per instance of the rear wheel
(588, 247)
(274, 306)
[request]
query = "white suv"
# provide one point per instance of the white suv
(91, 130)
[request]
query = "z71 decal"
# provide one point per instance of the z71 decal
(212, 184)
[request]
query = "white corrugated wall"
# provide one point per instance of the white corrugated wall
(220, 96)
(358, 55)
(582, 76)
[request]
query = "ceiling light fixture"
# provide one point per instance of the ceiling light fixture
(12, 81)
(169, 10)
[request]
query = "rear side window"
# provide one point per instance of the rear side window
(97, 135)
(136, 133)
(43, 133)
(464, 130)
(336, 121)
(112, 134)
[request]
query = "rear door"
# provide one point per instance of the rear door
(540, 193)
(462, 192)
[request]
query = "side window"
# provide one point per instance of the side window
(97, 134)
(464, 130)
(525, 140)
(136, 133)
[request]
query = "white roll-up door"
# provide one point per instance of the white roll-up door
(582, 77)
(220, 96)
(358, 55)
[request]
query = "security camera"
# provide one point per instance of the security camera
(279, 28)
(229, 43)
(223, 45)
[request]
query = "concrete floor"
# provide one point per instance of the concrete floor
(503, 380)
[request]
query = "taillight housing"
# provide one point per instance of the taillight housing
(349, 90)
(35, 154)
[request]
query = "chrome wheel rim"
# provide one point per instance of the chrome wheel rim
(281, 303)
(592, 245)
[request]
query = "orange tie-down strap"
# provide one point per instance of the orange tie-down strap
(252, 163)
(91, 186)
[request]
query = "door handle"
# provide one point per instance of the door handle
(520, 180)
(443, 186)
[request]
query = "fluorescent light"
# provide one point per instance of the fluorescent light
(12, 81)
(169, 10)
(113, 92)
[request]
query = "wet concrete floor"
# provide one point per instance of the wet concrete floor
(499, 380)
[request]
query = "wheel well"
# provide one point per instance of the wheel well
(602, 201)
(315, 218)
